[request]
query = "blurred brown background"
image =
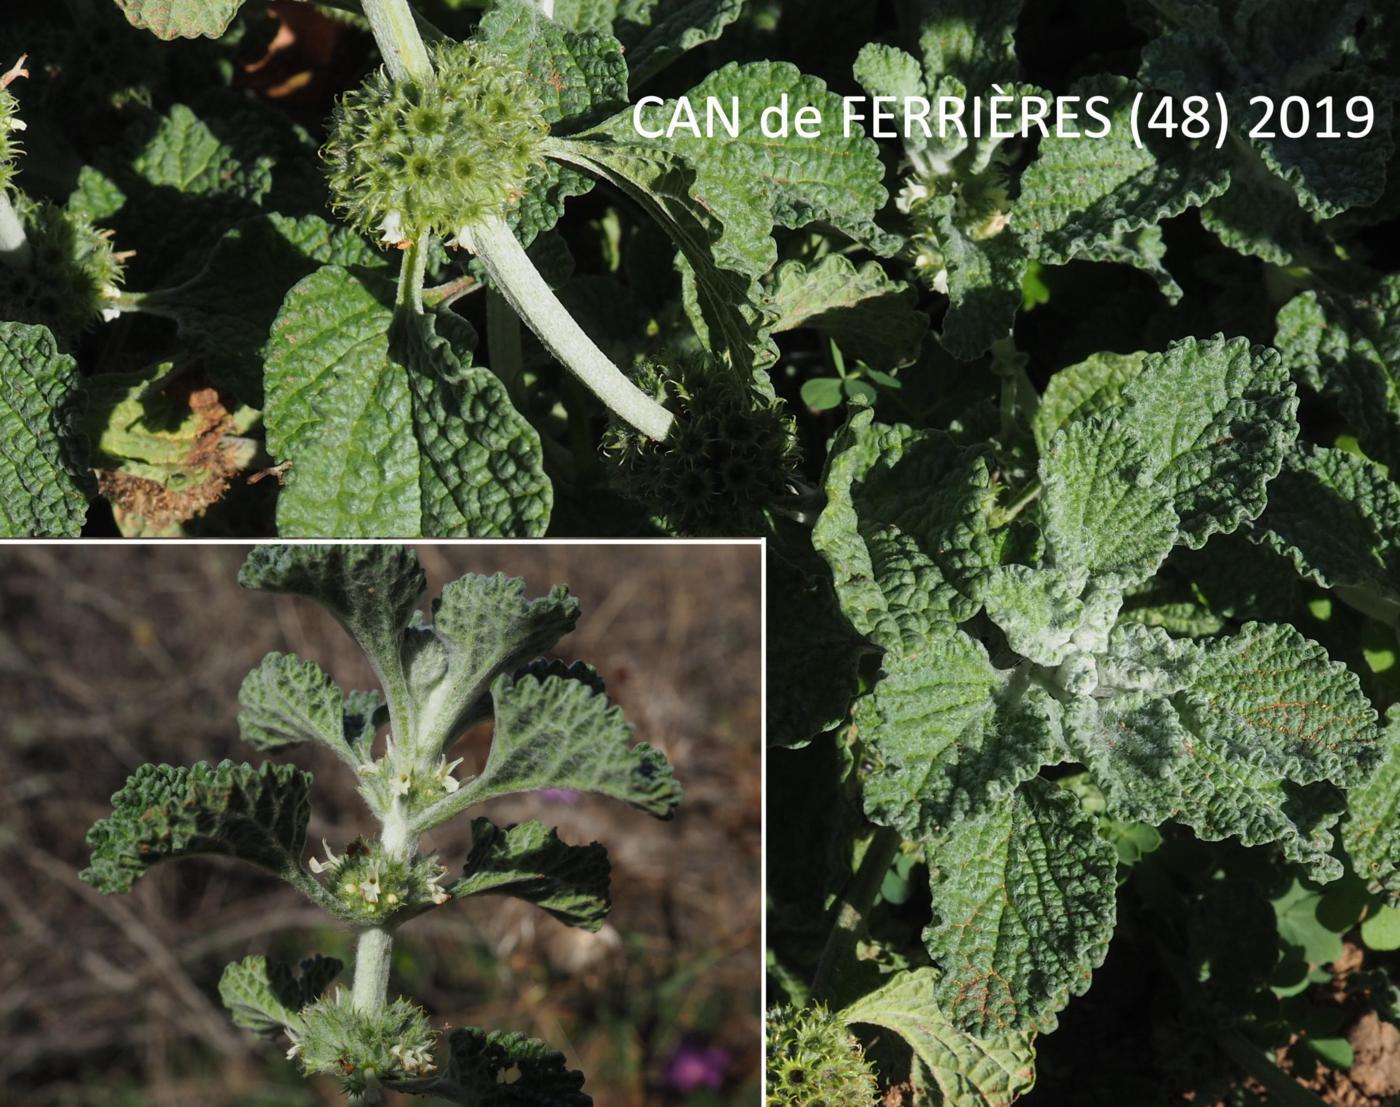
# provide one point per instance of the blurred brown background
(113, 656)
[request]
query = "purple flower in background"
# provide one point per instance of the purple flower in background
(557, 795)
(694, 1066)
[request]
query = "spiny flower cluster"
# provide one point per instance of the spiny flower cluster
(730, 456)
(407, 159)
(75, 277)
(813, 1061)
(335, 1037)
(372, 886)
(10, 123)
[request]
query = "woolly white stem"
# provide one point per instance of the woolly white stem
(534, 301)
(396, 32)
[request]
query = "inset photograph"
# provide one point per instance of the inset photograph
(325, 824)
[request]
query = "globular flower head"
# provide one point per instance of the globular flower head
(370, 886)
(75, 276)
(407, 158)
(393, 1043)
(730, 456)
(813, 1061)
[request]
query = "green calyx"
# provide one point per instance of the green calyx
(729, 458)
(371, 887)
(358, 1046)
(10, 124)
(75, 276)
(408, 159)
(813, 1061)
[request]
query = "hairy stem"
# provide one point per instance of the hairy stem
(411, 272)
(1028, 496)
(855, 902)
(15, 250)
(534, 301)
(396, 32)
(373, 953)
(372, 956)
(503, 342)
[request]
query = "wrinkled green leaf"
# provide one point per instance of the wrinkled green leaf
(529, 862)
(165, 812)
(1104, 515)
(286, 701)
(1336, 517)
(813, 653)
(494, 1068)
(1372, 832)
(225, 311)
(870, 317)
(265, 997)
(968, 1071)
(1092, 386)
(1081, 194)
(388, 428)
(482, 627)
(949, 734)
(171, 19)
(1348, 349)
(373, 592)
(1215, 418)
(1023, 901)
(560, 733)
(905, 528)
(673, 28)
(41, 455)
(754, 182)
(1224, 742)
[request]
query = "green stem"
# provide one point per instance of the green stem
(856, 901)
(370, 990)
(445, 295)
(15, 250)
(1028, 496)
(1283, 1089)
(412, 270)
(396, 32)
(503, 342)
(535, 302)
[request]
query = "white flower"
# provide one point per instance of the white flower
(435, 890)
(403, 782)
(369, 886)
(413, 1059)
(391, 230)
(330, 862)
(444, 774)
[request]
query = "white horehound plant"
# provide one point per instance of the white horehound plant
(554, 728)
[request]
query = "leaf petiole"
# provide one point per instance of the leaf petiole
(856, 901)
